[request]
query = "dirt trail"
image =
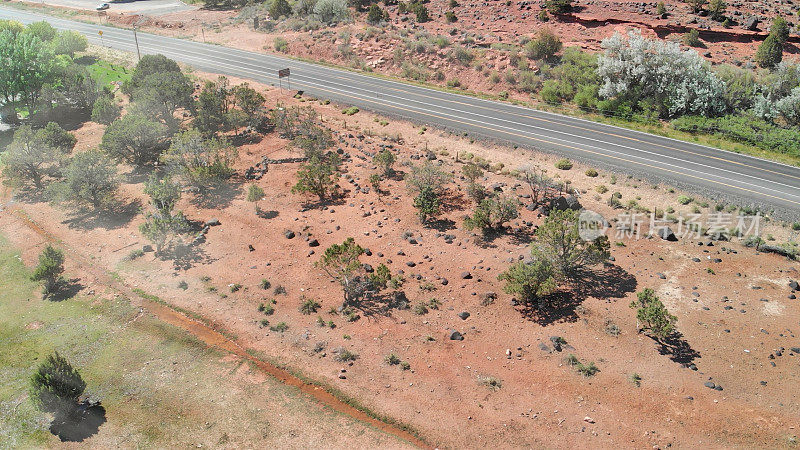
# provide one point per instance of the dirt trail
(212, 337)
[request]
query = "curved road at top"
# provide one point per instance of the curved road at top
(697, 168)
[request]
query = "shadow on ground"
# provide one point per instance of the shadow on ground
(611, 282)
(82, 424)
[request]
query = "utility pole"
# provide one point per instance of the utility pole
(136, 38)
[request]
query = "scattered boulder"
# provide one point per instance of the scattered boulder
(313, 243)
(147, 248)
(463, 315)
(456, 336)
(212, 223)
(466, 276)
(289, 234)
(564, 203)
(667, 234)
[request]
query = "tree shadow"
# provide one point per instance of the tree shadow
(86, 60)
(382, 303)
(442, 225)
(246, 138)
(186, 256)
(140, 174)
(217, 196)
(327, 201)
(267, 214)
(83, 423)
(115, 216)
(454, 201)
(678, 349)
(66, 290)
(611, 282)
(518, 237)
(30, 195)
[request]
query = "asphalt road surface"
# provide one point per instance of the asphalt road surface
(147, 7)
(702, 170)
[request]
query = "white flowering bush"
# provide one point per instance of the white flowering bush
(675, 81)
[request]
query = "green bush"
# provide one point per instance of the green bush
(591, 173)
(544, 46)
(56, 387)
(563, 164)
(692, 38)
(392, 359)
(745, 129)
(281, 45)
(684, 200)
(308, 306)
(254, 193)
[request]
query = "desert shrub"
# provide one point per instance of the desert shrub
(163, 224)
(588, 369)
(385, 159)
(308, 306)
(266, 308)
(105, 110)
(392, 359)
(90, 179)
(602, 189)
(558, 6)
(563, 164)
(545, 45)
(255, 193)
(345, 355)
(281, 45)
(428, 204)
(421, 13)
(692, 38)
(684, 200)
(331, 12)
(462, 55)
(56, 386)
(491, 213)
(135, 139)
(492, 383)
(450, 16)
(748, 130)
(376, 15)
(770, 51)
(652, 315)
(279, 327)
(201, 162)
(427, 175)
(350, 111)
(558, 242)
(531, 281)
(659, 76)
(421, 309)
(32, 158)
(49, 270)
(318, 176)
(591, 173)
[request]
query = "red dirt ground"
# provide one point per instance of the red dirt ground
(543, 401)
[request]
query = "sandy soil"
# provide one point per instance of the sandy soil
(543, 401)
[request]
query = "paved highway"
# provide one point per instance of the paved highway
(700, 169)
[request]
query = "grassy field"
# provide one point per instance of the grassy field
(106, 72)
(160, 386)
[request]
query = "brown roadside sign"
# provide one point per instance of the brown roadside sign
(283, 73)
